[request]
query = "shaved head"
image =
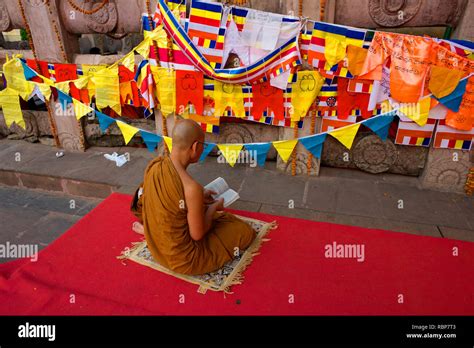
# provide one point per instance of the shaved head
(185, 133)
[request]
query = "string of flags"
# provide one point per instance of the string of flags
(350, 84)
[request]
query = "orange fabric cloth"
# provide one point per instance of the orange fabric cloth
(355, 59)
(129, 92)
(265, 96)
(166, 226)
(464, 118)
(410, 58)
(189, 89)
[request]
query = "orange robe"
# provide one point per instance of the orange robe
(166, 226)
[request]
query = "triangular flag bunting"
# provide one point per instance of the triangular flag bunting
(285, 148)
(258, 152)
(453, 100)
(10, 103)
(127, 131)
(230, 152)
(314, 144)
(81, 109)
(104, 121)
(417, 112)
(29, 73)
(346, 134)
(169, 142)
(44, 89)
(151, 140)
(63, 99)
(207, 149)
(129, 61)
(380, 124)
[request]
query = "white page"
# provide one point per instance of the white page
(218, 185)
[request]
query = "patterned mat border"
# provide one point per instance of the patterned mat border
(234, 278)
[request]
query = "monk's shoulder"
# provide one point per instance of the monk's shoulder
(191, 186)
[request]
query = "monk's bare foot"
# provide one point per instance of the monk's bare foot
(138, 227)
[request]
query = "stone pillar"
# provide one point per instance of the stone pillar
(48, 33)
(446, 170)
(465, 28)
(54, 44)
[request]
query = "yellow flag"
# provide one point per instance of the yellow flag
(129, 61)
(303, 93)
(230, 152)
(285, 148)
(81, 109)
(90, 70)
(143, 48)
(26, 91)
(418, 112)
(14, 74)
(169, 142)
(107, 90)
(82, 82)
(63, 86)
(127, 131)
(10, 102)
(346, 135)
(335, 49)
(44, 89)
(165, 80)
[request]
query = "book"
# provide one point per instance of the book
(222, 190)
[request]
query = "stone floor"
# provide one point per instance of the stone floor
(37, 187)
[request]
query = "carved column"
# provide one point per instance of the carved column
(446, 170)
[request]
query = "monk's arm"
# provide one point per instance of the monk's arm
(199, 218)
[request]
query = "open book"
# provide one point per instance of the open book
(223, 190)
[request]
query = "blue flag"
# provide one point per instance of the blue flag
(151, 139)
(64, 100)
(260, 150)
(314, 143)
(29, 73)
(380, 124)
(207, 149)
(453, 101)
(104, 121)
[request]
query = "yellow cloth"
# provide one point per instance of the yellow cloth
(81, 109)
(285, 148)
(168, 142)
(230, 152)
(166, 226)
(127, 131)
(10, 103)
(335, 49)
(228, 95)
(165, 80)
(89, 70)
(346, 135)
(418, 112)
(303, 93)
(107, 90)
(14, 74)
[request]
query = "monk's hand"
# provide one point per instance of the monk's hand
(208, 196)
(219, 204)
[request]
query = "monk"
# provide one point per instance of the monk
(185, 229)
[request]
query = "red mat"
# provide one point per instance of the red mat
(81, 267)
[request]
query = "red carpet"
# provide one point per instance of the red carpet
(82, 266)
